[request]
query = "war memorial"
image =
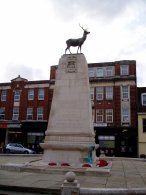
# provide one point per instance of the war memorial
(68, 165)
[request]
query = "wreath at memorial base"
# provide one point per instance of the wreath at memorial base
(52, 164)
(65, 164)
(102, 163)
(86, 165)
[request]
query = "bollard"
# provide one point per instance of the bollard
(70, 185)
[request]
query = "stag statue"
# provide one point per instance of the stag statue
(77, 42)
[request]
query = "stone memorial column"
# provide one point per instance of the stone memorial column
(70, 133)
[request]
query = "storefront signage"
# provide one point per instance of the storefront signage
(100, 124)
(3, 125)
(13, 125)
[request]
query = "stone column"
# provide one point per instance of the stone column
(70, 131)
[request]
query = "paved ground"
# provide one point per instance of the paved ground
(124, 173)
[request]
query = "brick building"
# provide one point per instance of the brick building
(24, 111)
(141, 121)
(25, 106)
(113, 89)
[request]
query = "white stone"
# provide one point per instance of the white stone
(70, 127)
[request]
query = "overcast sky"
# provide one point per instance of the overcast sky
(33, 34)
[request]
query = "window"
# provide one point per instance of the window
(31, 94)
(3, 95)
(125, 115)
(125, 92)
(29, 114)
(109, 93)
(124, 69)
(17, 96)
(2, 113)
(109, 115)
(91, 72)
(143, 99)
(99, 93)
(99, 116)
(41, 94)
(15, 113)
(99, 72)
(106, 141)
(144, 125)
(109, 71)
(92, 93)
(40, 113)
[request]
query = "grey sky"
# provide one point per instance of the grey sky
(33, 34)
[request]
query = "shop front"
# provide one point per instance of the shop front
(34, 134)
(119, 142)
(10, 132)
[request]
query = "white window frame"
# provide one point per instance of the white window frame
(15, 113)
(40, 113)
(99, 116)
(3, 95)
(125, 92)
(2, 113)
(124, 70)
(100, 72)
(17, 96)
(41, 94)
(125, 115)
(91, 72)
(109, 71)
(109, 92)
(143, 99)
(92, 93)
(109, 115)
(31, 94)
(29, 114)
(99, 93)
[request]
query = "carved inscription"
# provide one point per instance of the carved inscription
(71, 66)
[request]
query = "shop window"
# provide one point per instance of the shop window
(106, 141)
(41, 94)
(40, 113)
(17, 96)
(3, 95)
(29, 114)
(2, 113)
(31, 94)
(15, 113)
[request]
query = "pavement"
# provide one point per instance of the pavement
(17, 175)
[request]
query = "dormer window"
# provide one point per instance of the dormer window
(143, 99)
(124, 70)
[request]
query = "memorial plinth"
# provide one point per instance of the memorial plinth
(70, 131)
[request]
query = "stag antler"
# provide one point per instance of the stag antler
(81, 27)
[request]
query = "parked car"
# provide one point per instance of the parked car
(17, 149)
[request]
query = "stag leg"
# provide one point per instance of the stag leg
(78, 49)
(68, 48)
